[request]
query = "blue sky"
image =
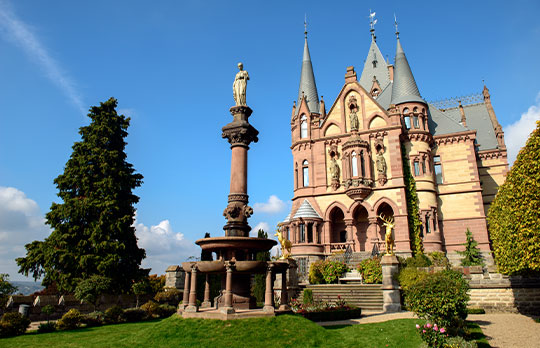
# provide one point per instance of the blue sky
(171, 65)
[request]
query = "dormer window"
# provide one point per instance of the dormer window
(374, 63)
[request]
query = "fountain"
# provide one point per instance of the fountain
(236, 251)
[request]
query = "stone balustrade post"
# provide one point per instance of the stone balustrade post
(391, 296)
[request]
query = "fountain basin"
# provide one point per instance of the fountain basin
(236, 243)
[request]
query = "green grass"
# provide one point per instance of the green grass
(477, 335)
(281, 331)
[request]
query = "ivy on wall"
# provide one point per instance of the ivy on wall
(413, 211)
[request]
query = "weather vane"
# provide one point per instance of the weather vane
(372, 22)
(305, 24)
(396, 25)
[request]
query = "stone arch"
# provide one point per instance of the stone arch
(332, 129)
(338, 229)
(340, 205)
(389, 202)
(360, 223)
(377, 121)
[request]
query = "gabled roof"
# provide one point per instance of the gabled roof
(306, 211)
(308, 88)
(380, 71)
(404, 88)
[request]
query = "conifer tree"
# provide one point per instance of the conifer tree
(514, 215)
(471, 255)
(92, 229)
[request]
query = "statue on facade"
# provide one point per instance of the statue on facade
(239, 86)
(381, 167)
(334, 173)
(388, 238)
(354, 120)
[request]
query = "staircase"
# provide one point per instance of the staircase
(365, 296)
(354, 259)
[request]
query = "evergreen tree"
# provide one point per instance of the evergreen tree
(259, 282)
(92, 230)
(514, 215)
(471, 254)
(413, 211)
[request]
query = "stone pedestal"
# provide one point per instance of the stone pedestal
(174, 278)
(391, 296)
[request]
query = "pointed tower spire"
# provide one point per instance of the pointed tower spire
(374, 65)
(404, 88)
(308, 88)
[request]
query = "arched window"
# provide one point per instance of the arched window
(305, 173)
(303, 127)
(302, 233)
(415, 122)
(354, 164)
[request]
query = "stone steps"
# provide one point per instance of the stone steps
(365, 296)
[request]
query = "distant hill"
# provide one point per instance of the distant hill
(26, 287)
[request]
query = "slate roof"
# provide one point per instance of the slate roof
(307, 83)
(404, 88)
(306, 211)
(380, 71)
(287, 219)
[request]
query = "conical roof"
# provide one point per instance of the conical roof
(379, 69)
(306, 211)
(404, 88)
(287, 219)
(307, 83)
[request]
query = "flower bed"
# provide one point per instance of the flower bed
(324, 311)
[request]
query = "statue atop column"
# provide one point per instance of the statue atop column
(239, 86)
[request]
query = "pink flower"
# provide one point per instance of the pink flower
(443, 330)
(417, 326)
(428, 325)
(423, 331)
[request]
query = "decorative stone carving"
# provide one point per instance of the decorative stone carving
(358, 189)
(353, 106)
(240, 135)
(237, 212)
(381, 162)
(333, 167)
(239, 85)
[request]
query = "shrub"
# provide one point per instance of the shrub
(459, 342)
(315, 272)
(171, 297)
(166, 310)
(114, 314)
(93, 319)
(371, 270)
(471, 254)
(140, 288)
(514, 216)
(151, 308)
(332, 270)
(13, 324)
(439, 297)
(409, 276)
(439, 259)
(135, 314)
(6, 289)
(70, 320)
(48, 310)
(420, 260)
(307, 297)
(47, 327)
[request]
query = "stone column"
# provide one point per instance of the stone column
(284, 305)
(228, 308)
(192, 306)
(185, 298)
(206, 302)
(391, 298)
(269, 291)
(367, 162)
(349, 225)
(316, 233)
(240, 134)
(373, 231)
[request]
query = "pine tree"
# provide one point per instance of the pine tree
(92, 230)
(259, 282)
(514, 215)
(471, 255)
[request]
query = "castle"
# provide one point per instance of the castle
(350, 163)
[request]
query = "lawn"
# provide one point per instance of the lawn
(281, 331)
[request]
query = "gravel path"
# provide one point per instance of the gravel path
(504, 330)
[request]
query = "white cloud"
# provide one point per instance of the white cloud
(21, 34)
(260, 226)
(21, 222)
(274, 205)
(163, 246)
(517, 133)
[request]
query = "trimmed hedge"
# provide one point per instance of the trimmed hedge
(332, 315)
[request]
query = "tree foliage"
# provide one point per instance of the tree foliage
(413, 210)
(259, 282)
(92, 229)
(6, 289)
(471, 255)
(91, 289)
(514, 215)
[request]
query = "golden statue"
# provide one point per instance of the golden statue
(285, 246)
(388, 239)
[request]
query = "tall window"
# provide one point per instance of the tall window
(438, 169)
(287, 233)
(305, 173)
(416, 168)
(296, 184)
(362, 164)
(302, 233)
(303, 127)
(423, 166)
(407, 122)
(428, 229)
(354, 164)
(415, 122)
(310, 233)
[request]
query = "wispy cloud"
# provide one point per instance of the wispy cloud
(20, 33)
(274, 205)
(517, 133)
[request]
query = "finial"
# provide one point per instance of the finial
(372, 22)
(396, 25)
(305, 25)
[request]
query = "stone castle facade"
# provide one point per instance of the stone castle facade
(348, 162)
